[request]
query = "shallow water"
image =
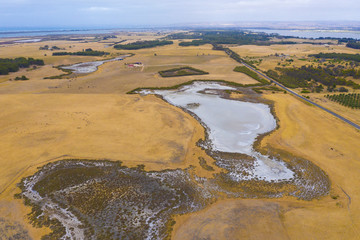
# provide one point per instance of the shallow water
(232, 126)
(312, 33)
(28, 40)
(89, 67)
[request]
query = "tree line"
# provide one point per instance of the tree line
(338, 56)
(228, 37)
(222, 37)
(353, 44)
(86, 52)
(142, 44)
(13, 65)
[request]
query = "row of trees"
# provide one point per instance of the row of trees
(86, 52)
(222, 37)
(228, 37)
(13, 65)
(142, 44)
(349, 100)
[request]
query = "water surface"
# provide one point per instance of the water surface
(312, 33)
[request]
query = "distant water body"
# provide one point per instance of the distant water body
(12, 32)
(312, 33)
(36, 32)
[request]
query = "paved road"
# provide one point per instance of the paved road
(305, 99)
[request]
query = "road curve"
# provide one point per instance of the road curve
(303, 98)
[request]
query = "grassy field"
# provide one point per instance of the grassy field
(314, 135)
(115, 77)
(296, 52)
(131, 129)
(91, 117)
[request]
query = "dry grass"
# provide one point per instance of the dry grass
(333, 146)
(314, 135)
(297, 49)
(37, 129)
(105, 123)
(295, 52)
(349, 113)
(114, 76)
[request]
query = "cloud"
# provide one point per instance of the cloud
(140, 12)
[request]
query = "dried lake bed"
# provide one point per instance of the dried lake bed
(232, 126)
(104, 199)
(89, 67)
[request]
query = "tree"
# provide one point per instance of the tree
(342, 89)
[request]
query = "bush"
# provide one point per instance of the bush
(342, 89)
(22, 78)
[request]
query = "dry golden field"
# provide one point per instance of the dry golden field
(317, 136)
(92, 117)
(295, 52)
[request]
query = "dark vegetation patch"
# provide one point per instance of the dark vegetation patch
(194, 43)
(338, 56)
(204, 164)
(47, 47)
(353, 44)
(238, 37)
(310, 77)
(351, 100)
(224, 37)
(183, 71)
(13, 65)
(85, 52)
(142, 44)
(22, 78)
(112, 201)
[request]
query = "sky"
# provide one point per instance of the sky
(121, 13)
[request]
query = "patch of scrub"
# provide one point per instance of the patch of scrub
(89, 67)
(104, 200)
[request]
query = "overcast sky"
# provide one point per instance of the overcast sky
(121, 13)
